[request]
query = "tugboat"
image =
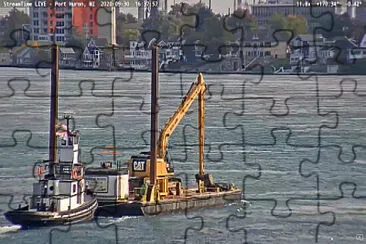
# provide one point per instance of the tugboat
(148, 185)
(60, 196)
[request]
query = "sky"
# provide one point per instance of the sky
(218, 6)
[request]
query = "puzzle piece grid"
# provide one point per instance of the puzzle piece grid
(293, 143)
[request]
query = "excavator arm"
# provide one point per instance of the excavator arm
(198, 88)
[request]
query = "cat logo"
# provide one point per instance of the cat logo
(139, 165)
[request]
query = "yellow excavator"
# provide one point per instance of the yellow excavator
(166, 183)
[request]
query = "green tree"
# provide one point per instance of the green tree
(278, 21)
(297, 24)
(13, 28)
(243, 20)
(77, 39)
(126, 29)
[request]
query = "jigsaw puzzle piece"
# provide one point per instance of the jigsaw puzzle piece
(332, 171)
(12, 234)
(14, 118)
(80, 232)
(279, 176)
(161, 227)
(267, 105)
(350, 210)
(24, 93)
(6, 228)
(214, 229)
(348, 104)
(85, 120)
(173, 88)
(257, 222)
(131, 105)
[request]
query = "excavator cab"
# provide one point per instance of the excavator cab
(139, 165)
(139, 171)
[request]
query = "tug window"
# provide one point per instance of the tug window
(63, 142)
(70, 141)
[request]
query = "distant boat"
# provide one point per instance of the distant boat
(291, 70)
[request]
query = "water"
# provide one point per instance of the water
(283, 140)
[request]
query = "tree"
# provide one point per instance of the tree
(13, 28)
(241, 19)
(278, 21)
(341, 26)
(126, 29)
(168, 26)
(297, 24)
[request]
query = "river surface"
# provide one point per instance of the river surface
(295, 145)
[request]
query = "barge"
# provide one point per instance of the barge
(146, 184)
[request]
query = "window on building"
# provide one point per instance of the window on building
(35, 14)
(59, 16)
(59, 23)
(60, 31)
(91, 32)
(36, 30)
(35, 22)
(91, 16)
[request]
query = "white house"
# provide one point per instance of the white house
(357, 52)
(308, 49)
(139, 56)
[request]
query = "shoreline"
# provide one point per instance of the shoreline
(186, 71)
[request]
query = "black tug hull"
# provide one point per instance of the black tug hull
(136, 208)
(30, 219)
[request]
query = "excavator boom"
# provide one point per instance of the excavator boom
(198, 88)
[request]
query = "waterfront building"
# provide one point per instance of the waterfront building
(306, 48)
(51, 25)
(264, 12)
(67, 57)
(357, 52)
(90, 21)
(139, 56)
(85, 19)
(92, 55)
(4, 56)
